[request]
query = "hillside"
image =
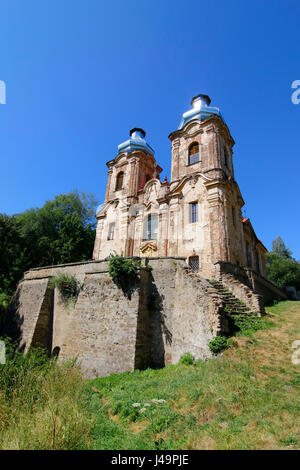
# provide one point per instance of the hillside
(247, 398)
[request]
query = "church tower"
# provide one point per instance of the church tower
(205, 195)
(202, 142)
(128, 172)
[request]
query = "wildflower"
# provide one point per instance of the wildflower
(142, 410)
(147, 404)
(136, 405)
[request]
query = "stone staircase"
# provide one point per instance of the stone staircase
(233, 305)
(227, 303)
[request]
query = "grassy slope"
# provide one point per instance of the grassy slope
(248, 398)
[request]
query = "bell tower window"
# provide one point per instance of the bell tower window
(193, 153)
(119, 182)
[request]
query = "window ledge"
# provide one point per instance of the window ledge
(195, 163)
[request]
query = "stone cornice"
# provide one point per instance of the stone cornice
(214, 119)
(176, 191)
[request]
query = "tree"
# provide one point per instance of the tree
(12, 261)
(282, 269)
(280, 249)
(62, 231)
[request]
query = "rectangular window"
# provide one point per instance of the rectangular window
(193, 212)
(111, 231)
(194, 263)
(151, 227)
(149, 232)
(193, 158)
(248, 255)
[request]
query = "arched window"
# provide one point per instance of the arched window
(119, 183)
(193, 153)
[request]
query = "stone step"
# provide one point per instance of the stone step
(233, 305)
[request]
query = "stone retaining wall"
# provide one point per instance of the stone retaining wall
(168, 313)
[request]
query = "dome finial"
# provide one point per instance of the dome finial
(198, 100)
(137, 132)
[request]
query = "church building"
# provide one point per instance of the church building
(197, 215)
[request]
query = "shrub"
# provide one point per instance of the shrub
(247, 324)
(123, 271)
(187, 359)
(66, 284)
(218, 344)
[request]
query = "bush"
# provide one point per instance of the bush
(218, 344)
(66, 284)
(187, 359)
(123, 271)
(247, 322)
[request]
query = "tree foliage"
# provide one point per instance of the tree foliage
(279, 248)
(62, 231)
(282, 269)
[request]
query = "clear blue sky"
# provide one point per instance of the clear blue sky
(80, 74)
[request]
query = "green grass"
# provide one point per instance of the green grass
(42, 404)
(248, 398)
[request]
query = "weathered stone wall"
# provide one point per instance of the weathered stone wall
(185, 312)
(167, 313)
(102, 327)
(28, 308)
(161, 303)
(197, 315)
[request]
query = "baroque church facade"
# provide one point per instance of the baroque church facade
(197, 215)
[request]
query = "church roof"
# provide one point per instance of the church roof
(136, 142)
(201, 109)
